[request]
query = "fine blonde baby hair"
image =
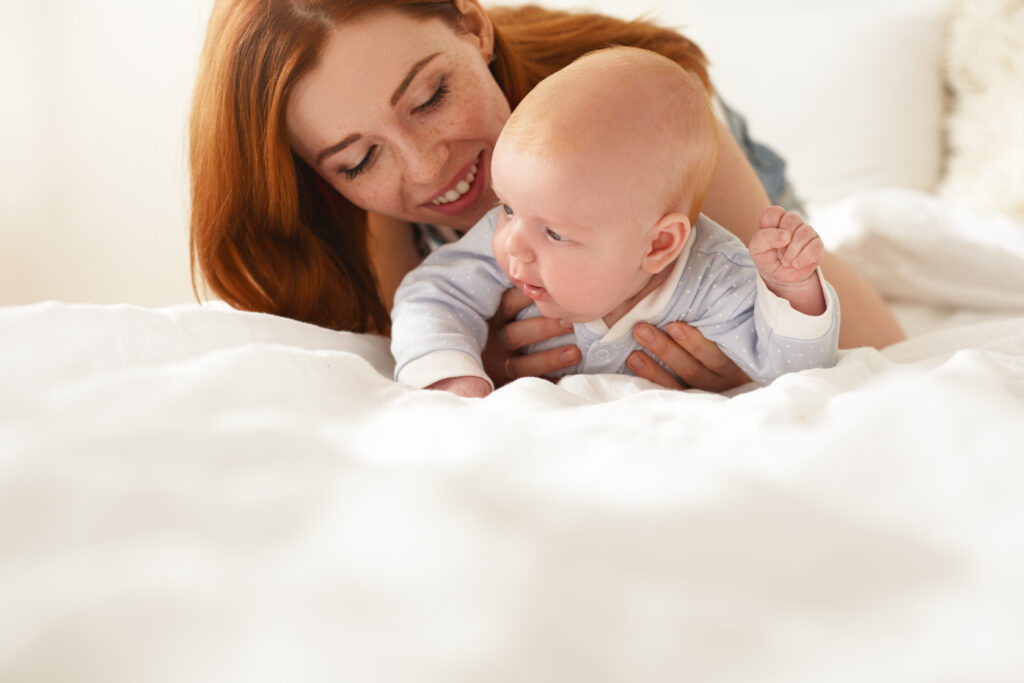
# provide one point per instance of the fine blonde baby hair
(626, 100)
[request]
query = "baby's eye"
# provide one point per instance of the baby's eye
(554, 235)
(507, 209)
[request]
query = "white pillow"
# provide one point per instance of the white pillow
(985, 62)
(850, 94)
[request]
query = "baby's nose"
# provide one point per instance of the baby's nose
(517, 246)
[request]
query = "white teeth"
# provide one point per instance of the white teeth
(459, 190)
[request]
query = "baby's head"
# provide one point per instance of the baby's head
(601, 171)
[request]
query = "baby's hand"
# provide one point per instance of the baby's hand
(469, 387)
(787, 252)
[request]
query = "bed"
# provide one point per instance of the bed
(197, 493)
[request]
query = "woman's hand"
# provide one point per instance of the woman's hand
(699, 363)
(502, 360)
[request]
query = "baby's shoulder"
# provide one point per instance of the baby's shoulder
(712, 241)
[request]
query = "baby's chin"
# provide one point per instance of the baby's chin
(549, 309)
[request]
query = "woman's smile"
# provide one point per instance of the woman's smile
(417, 113)
(463, 191)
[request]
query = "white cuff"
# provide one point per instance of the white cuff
(439, 365)
(786, 321)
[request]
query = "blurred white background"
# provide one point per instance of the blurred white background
(93, 178)
(93, 191)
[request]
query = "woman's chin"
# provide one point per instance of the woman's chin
(460, 221)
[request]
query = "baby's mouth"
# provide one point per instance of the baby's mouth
(533, 291)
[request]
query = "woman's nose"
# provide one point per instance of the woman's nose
(424, 158)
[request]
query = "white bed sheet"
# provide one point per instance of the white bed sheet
(201, 494)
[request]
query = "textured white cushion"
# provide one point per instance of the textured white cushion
(985, 62)
(850, 94)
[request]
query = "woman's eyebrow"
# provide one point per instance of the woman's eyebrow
(400, 90)
(337, 147)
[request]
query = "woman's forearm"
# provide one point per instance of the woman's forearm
(867, 319)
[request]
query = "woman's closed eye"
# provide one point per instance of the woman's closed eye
(367, 161)
(435, 100)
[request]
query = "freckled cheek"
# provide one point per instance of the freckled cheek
(472, 119)
(382, 195)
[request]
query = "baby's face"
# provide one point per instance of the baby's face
(570, 232)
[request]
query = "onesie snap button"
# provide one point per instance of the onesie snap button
(603, 354)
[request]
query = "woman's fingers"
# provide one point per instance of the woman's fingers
(643, 366)
(695, 360)
(690, 359)
(708, 355)
(512, 301)
(540, 363)
(508, 336)
(680, 361)
(519, 334)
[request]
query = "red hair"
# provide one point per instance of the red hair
(267, 232)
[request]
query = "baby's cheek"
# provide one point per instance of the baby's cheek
(499, 251)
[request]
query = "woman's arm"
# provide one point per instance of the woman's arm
(866, 318)
(735, 198)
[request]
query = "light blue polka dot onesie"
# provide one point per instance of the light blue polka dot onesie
(439, 322)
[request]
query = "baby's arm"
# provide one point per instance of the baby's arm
(469, 387)
(439, 323)
(787, 253)
(760, 330)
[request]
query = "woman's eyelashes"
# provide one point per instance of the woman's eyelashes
(435, 100)
(506, 208)
(351, 173)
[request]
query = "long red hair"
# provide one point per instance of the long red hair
(267, 233)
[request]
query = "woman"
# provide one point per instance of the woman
(330, 139)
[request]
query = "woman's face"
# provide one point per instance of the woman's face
(401, 115)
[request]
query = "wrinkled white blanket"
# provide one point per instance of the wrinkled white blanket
(206, 495)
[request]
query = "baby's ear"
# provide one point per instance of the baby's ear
(667, 238)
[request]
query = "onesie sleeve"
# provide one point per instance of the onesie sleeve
(439, 321)
(760, 331)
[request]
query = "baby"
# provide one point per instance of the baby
(600, 173)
